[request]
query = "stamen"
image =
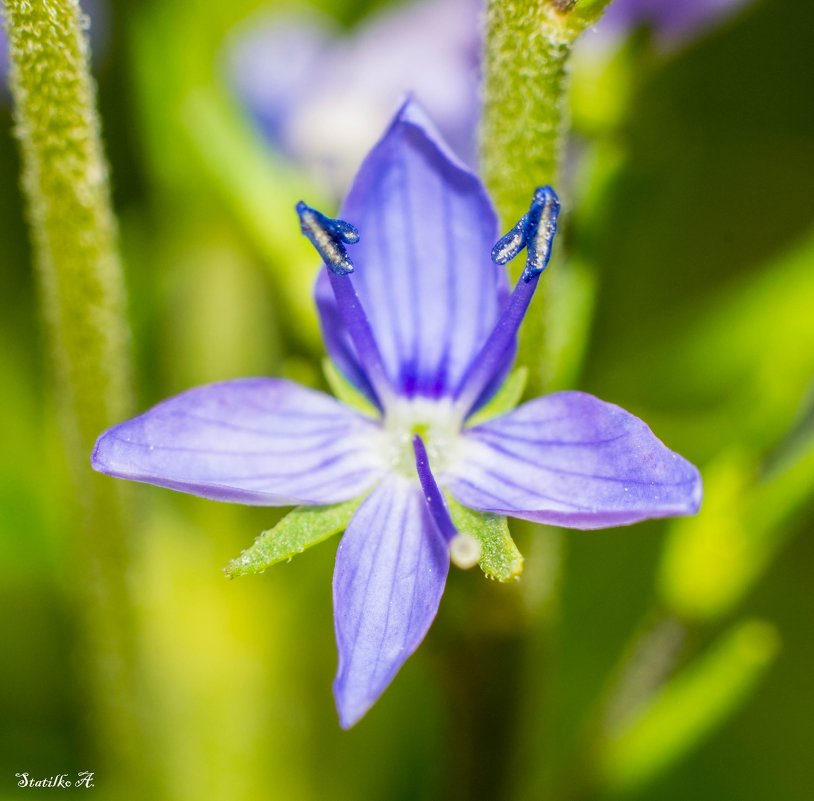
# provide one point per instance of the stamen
(535, 231)
(432, 494)
(329, 237)
(509, 245)
(540, 230)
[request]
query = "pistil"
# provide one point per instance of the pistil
(432, 494)
(464, 549)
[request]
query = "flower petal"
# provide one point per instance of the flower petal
(391, 567)
(423, 270)
(258, 441)
(573, 460)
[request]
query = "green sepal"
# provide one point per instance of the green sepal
(299, 529)
(345, 391)
(505, 399)
(500, 558)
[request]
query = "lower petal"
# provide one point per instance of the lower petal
(570, 459)
(391, 567)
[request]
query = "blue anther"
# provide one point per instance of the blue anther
(344, 230)
(329, 237)
(544, 211)
(509, 245)
(534, 231)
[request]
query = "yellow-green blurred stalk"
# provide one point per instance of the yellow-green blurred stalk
(66, 188)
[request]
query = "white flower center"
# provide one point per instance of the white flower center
(434, 421)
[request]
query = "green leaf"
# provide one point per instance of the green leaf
(712, 560)
(690, 707)
(299, 529)
(506, 398)
(500, 558)
(345, 391)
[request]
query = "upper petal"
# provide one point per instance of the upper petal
(259, 441)
(391, 567)
(423, 270)
(570, 459)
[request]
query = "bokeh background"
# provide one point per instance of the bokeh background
(668, 660)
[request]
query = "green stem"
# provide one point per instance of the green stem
(65, 182)
(478, 645)
(528, 45)
(523, 130)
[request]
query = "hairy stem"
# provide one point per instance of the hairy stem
(66, 188)
(522, 137)
(528, 45)
(525, 121)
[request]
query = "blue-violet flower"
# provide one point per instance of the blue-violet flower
(420, 320)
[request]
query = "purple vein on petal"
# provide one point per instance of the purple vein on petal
(443, 365)
(391, 568)
(508, 483)
(235, 441)
(426, 227)
(413, 368)
(389, 605)
(579, 474)
(493, 437)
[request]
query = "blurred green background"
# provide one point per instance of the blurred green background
(669, 660)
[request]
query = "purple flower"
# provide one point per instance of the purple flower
(3, 54)
(421, 321)
(322, 96)
(672, 22)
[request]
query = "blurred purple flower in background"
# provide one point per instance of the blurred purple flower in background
(421, 322)
(3, 51)
(322, 95)
(672, 22)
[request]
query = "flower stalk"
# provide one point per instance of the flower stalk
(73, 229)
(524, 124)
(528, 46)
